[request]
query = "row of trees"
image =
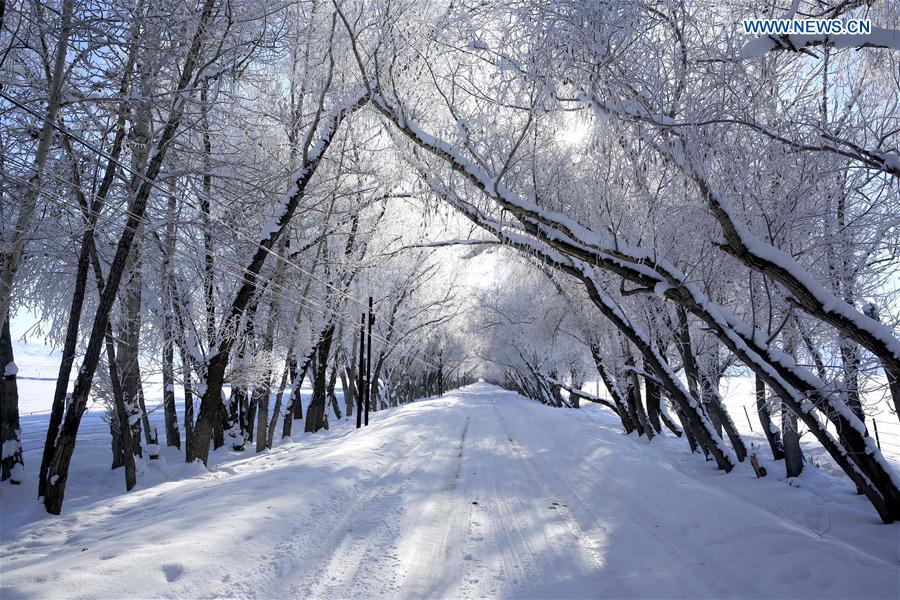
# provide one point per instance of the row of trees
(146, 148)
(717, 210)
(696, 206)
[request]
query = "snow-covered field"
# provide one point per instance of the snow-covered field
(740, 399)
(480, 493)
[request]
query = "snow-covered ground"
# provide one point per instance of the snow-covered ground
(740, 398)
(480, 493)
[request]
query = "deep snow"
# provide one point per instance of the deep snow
(479, 493)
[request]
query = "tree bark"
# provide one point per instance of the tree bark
(188, 396)
(633, 393)
(329, 391)
(315, 414)
(348, 384)
(717, 406)
(123, 455)
(12, 464)
(270, 437)
(173, 435)
(613, 388)
(654, 397)
(773, 434)
(793, 454)
(263, 392)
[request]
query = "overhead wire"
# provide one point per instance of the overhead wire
(240, 267)
(156, 185)
(179, 249)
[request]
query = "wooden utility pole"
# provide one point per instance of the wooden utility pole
(369, 362)
(359, 387)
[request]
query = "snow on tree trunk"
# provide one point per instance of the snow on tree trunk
(633, 393)
(12, 464)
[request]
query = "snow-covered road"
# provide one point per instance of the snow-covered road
(476, 494)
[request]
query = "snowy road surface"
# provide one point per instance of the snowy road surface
(476, 494)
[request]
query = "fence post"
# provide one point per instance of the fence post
(875, 427)
(746, 414)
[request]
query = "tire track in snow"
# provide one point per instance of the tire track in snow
(304, 551)
(425, 552)
(592, 548)
(363, 554)
(506, 545)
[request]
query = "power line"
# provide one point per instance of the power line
(303, 302)
(342, 319)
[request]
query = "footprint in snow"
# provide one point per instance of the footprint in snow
(172, 571)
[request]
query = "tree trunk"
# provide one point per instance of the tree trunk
(691, 368)
(209, 288)
(654, 397)
(693, 444)
(667, 420)
(711, 391)
(270, 437)
(613, 389)
(188, 397)
(850, 367)
(329, 391)
(376, 378)
(315, 414)
(250, 414)
(12, 465)
(348, 384)
(234, 430)
(220, 421)
(140, 137)
(793, 454)
(170, 414)
(173, 435)
(871, 311)
(296, 398)
(633, 393)
(773, 434)
(262, 393)
(125, 454)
